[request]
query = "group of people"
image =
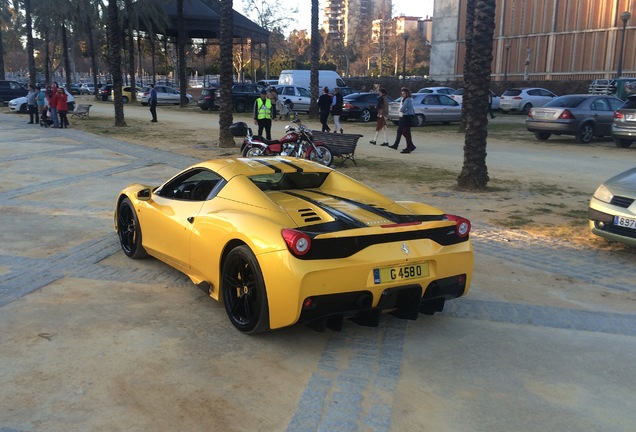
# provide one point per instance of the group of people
(265, 109)
(48, 104)
(407, 118)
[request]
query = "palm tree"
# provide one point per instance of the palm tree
(315, 60)
(181, 48)
(225, 67)
(29, 35)
(114, 58)
(474, 174)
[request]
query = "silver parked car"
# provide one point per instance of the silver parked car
(524, 98)
(295, 98)
(429, 108)
(582, 115)
(624, 125)
(165, 95)
(612, 210)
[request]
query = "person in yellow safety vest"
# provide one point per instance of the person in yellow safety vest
(263, 115)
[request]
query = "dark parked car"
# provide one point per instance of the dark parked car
(206, 100)
(10, 90)
(104, 91)
(624, 125)
(582, 115)
(243, 96)
(361, 106)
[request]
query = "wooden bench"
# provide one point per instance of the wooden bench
(81, 111)
(341, 145)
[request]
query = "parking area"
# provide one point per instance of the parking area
(92, 340)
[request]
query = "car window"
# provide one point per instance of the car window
(600, 105)
(193, 185)
(287, 181)
(288, 91)
(534, 92)
(615, 103)
(304, 92)
(512, 92)
(430, 100)
(547, 93)
(565, 102)
(445, 100)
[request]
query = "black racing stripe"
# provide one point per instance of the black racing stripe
(349, 221)
(268, 164)
(291, 164)
(396, 218)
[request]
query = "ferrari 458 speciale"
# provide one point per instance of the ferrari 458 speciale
(281, 241)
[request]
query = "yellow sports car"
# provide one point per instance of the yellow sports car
(283, 240)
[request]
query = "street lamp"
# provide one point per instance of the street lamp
(405, 36)
(506, 62)
(625, 16)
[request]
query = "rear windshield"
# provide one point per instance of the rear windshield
(512, 92)
(287, 181)
(566, 102)
(630, 103)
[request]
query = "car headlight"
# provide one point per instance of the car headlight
(603, 194)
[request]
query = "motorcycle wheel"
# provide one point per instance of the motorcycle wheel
(253, 152)
(323, 155)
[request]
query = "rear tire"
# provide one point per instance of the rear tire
(622, 143)
(542, 136)
(585, 133)
(240, 106)
(526, 108)
(244, 293)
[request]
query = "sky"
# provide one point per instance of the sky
(417, 8)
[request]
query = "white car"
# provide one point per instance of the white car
(20, 104)
(87, 89)
(436, 90)
(458, 97)
(165, 95)
(429, 108)
(295, 98)
(523, 98)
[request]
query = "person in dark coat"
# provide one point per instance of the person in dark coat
(324, 106)
(152, 101)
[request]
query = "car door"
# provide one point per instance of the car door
(167, 218)
(451, 111)
(432, 108)
(604, 113)
(304, 98)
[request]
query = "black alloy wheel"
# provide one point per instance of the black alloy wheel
(129, 231)
(244, 293)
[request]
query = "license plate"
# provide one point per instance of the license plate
(630, 117)
(624, 222)
(398, 273)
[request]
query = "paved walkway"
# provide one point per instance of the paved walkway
(528, 349)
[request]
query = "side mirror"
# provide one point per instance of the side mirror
(144, 194)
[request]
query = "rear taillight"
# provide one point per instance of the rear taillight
(347, 106)
(567, 115)
(462, 225)
(618, 115)
(297, 241)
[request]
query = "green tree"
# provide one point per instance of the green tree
(474, 174)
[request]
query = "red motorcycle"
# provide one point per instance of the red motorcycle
(297, 142)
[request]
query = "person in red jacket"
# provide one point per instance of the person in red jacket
(52, 101)
(62, 107)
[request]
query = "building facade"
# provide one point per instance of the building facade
(347, 19)
(541, 39)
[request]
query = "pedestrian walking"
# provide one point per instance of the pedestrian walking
(407, 113)
(152, 101)
(383, 111)
(62, 108)
(263, 115)
(324, 106)
(336, 109)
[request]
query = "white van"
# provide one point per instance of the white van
(301, 78)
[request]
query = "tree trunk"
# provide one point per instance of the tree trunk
(131, 53)
(66, 56)
(470, 30)
(114, 56)
(315, 60)
(181, 44)
(2, 76)
(225, 68)
(474, 174)
(30, 48)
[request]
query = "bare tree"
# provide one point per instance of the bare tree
(474, 174)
